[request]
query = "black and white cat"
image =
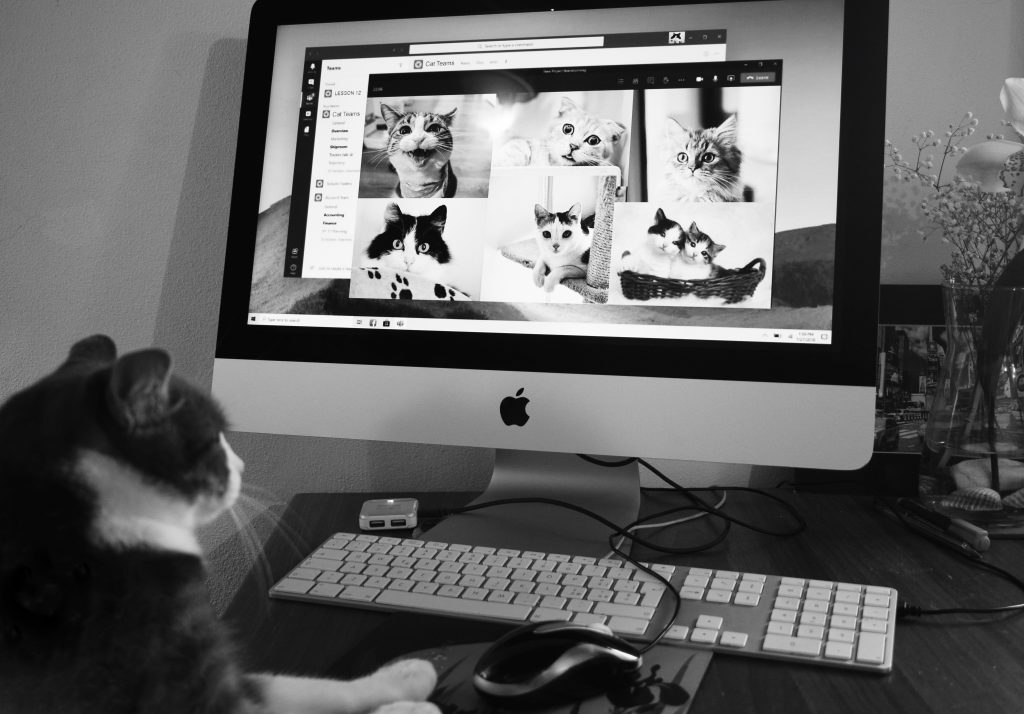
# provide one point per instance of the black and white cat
(655, 253)
(419, 147)
(563, 246)
(573, 137)
(412, 244)
(107, 466)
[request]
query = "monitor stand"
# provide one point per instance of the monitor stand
(612, 492)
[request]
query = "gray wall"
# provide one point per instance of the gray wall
(117, 140)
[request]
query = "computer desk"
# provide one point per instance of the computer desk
(941, 664)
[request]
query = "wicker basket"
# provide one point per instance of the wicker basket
(733, 284)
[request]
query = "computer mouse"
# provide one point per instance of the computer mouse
(554, 662)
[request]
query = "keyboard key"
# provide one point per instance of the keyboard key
(871, 648)
(791, 645)
(627, 625)
(437, 603)
(292, 585)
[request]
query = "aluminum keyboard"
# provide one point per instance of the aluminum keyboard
(812, 621)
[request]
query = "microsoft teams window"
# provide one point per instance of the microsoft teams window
(653, 184)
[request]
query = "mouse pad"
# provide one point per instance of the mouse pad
(667, 682)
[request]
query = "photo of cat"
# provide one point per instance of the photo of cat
(425, 147)
(564, 129)
(563, 245)
(541, 227)
(692, 241)
(671, 251)
(712, 144)
(419, 242)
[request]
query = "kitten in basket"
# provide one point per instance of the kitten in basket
(107, 466)
(670, 251)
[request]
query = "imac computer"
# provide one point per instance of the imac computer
(560, 228)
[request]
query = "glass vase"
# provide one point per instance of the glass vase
(973, 460)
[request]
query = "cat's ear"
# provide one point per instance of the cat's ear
(726, 131)
(391, 117)
(541, 214)
(693, 228)
(616, 129)
(139, 391)
(674, 130)
(392, 214)
(567, 105)
(449, 116)
(96, 348)
(439, 217)
(574, 212)
(659, 216)
(715, 248)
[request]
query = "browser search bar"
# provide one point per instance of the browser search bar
(539, 43)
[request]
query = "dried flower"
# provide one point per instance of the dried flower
(980, 209)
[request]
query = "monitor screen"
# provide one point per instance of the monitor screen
(643, 231)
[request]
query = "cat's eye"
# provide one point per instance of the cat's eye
(397, 243)
(693, 244)
(546, 234)
(434, 128)
(566, 234)
(423, 247)
(568, 128)
(405, 129)
(593, 140)
(682, 158)
(708, 157)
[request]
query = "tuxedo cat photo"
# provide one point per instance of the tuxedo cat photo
(108, 465)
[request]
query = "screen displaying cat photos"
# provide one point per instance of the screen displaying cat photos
(642, 180)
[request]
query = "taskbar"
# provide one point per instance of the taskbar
(573, 329)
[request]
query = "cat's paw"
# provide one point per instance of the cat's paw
(632, 263)
(408, 708)
(407, 679)
(539, 271)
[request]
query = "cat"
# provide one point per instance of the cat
(412, 244)
(696, 259)
(107, 466)
(703, 165)
(563, 246)
(419, 147)
(658, 250)
(574, 138)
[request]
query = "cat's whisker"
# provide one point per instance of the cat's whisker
(292, 538)
(261, 569)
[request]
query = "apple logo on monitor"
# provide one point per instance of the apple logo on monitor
(513, 409)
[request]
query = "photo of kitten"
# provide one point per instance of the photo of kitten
(423, 147)
(703, 165)
(687, 242)
(571, 137)
(697, 252)
(712, 144)
(563, 246)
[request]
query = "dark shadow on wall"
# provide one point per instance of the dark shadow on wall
(186, 320)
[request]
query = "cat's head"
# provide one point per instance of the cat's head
(577, 138)
(132, 453)
(697, 246)
(665, 234)
(418, 140)
(557, 232)
(703, 164)
(413, 244)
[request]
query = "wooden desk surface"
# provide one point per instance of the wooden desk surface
(941, 664)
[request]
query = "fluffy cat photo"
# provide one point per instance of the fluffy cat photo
(702, 165)
(108, 466)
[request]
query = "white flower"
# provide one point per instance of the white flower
(1012, 98)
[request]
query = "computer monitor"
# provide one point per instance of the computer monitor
(401, 184)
